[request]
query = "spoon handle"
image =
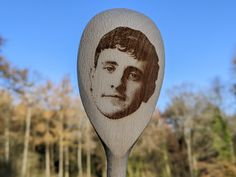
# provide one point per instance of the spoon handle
(116, 166)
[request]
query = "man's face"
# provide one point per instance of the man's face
(118, 83)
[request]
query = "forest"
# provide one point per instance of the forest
(44, 131)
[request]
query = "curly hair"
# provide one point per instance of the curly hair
(137, 45)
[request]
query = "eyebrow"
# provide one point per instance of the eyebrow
(111, 62)
(135, 69)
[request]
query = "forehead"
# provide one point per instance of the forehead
(121, 59)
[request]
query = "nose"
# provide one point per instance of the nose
(120, 85)
(121, 88)
(118, 82)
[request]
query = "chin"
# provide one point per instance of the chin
(116, 111)
(115, 114)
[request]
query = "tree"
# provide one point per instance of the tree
(14, 80)
(187, 107)
(5, 115)
(233, 83)
(29, 101)
(223, 139)
(46, 126)
(63, 92)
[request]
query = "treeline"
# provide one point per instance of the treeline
(44, 132)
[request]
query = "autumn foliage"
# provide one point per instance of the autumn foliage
(44, 132)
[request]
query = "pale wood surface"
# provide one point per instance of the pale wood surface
(120, 134)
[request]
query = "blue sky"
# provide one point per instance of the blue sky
(199, 36)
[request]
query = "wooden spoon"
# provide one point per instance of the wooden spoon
(120, 73)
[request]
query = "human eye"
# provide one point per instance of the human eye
(135, 76)
(109, 68)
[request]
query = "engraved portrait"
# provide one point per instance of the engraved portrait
(124, 72)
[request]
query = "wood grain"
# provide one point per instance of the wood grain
(120, 73)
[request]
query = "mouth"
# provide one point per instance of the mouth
(121, 97)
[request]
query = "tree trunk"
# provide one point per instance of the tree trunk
(104, 172)
(61, 150)
(190, 158)
(166, 160)
(194, 165)
(232, 151)
(79, 158)
(7, 139)
(130, 171)
(88, 164)
(61, 157)
(137, 171)
(26, 143)
(47, 157)
(67, 163)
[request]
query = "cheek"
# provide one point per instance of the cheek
(101, 82)
(134, 88)
(99, 75)
(104, 76)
